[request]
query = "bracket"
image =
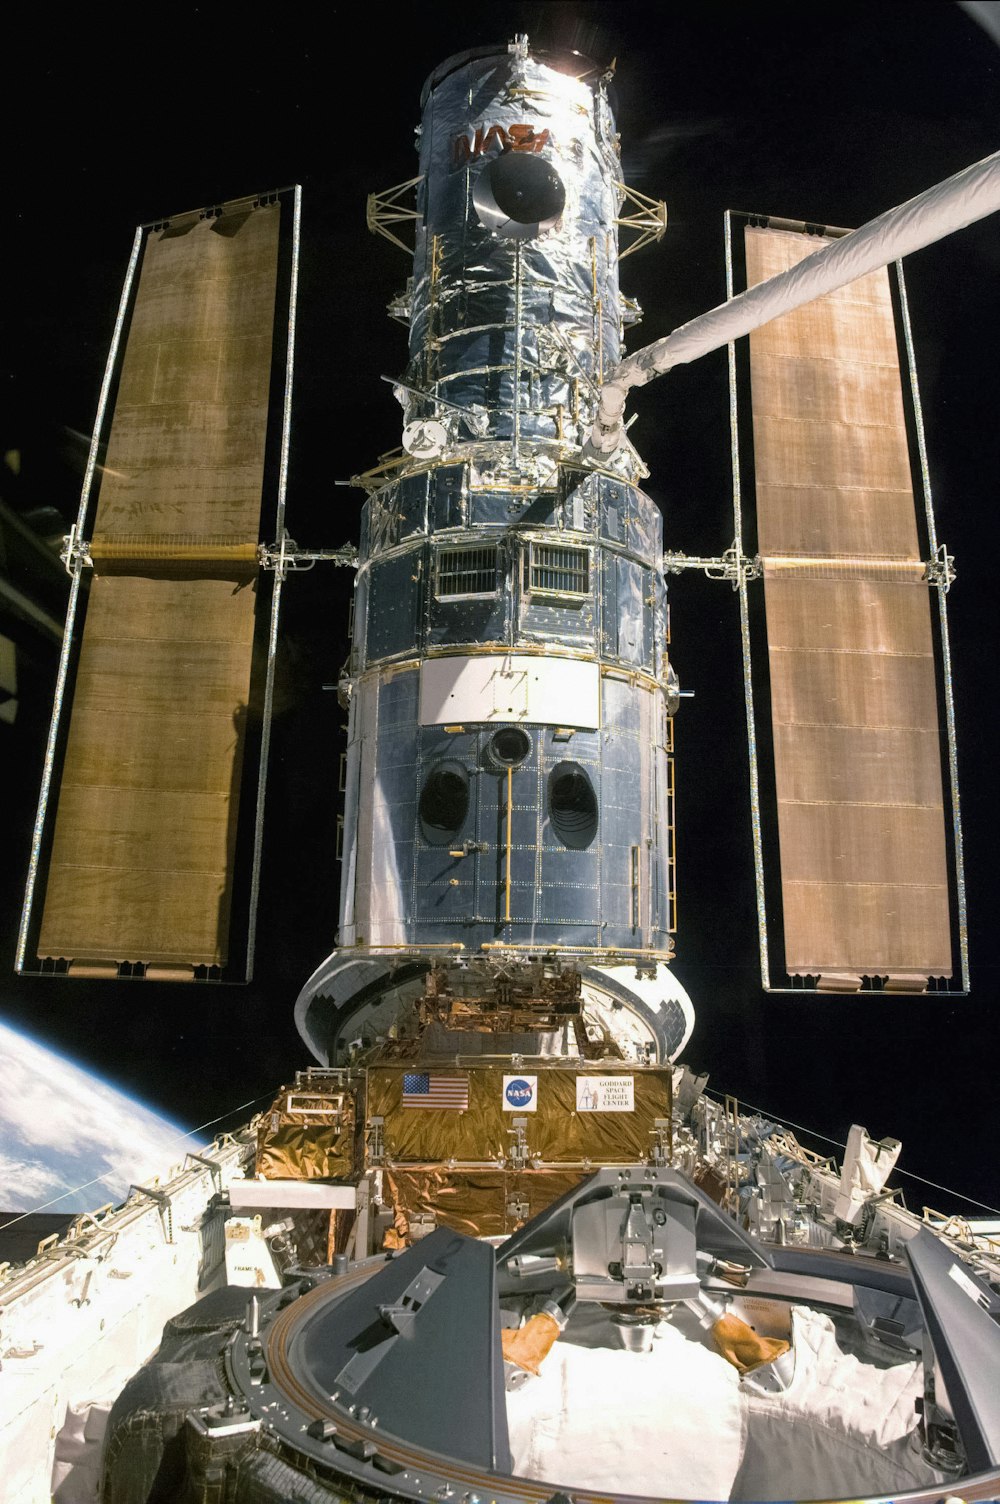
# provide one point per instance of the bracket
(519, 1149)
(734, 565)
(940, 570)
(164, 1203)
(648, 217)
(375, 1128)
(388, 208)
(209, 1164)
(285, 555)
(75, 552)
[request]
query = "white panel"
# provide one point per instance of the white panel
(282, 1194)
(510, 687)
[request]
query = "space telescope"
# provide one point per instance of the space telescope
(497, 1025)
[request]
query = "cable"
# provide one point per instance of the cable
(98, 1178)
(949, 1192)
(787, 1123)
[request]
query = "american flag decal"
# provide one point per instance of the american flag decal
(450, 1093)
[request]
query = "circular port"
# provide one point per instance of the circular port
(527, 189)
(509, 746)
(518, 196)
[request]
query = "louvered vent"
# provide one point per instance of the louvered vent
(466, 571)
(554, 570)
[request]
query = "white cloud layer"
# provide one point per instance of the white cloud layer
(24, 1183)
(61, 1127)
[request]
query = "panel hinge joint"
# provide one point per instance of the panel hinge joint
(285, 555)
(75, 552)
(940, 570)
(734, 565)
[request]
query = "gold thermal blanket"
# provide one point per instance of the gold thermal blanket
(529, 1345)
(555, 1132)
(481, 1203)
(307, 1136)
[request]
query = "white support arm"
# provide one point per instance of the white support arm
(971, 194)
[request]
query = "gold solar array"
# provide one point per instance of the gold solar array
(857, 746)
(141, 866)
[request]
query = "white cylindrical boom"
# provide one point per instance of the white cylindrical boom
(971, 194)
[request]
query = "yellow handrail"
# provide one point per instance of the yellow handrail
(510, 801)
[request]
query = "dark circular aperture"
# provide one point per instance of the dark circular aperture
(509, 746)
(527, 188)
(444, 802)
(572, 805)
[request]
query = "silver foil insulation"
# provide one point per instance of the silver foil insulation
(491, 313)
(508, 785)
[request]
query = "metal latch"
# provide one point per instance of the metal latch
(376, 1139)
(637, 1245)
(660, 1133)
(519, 1148)
(399, 1314)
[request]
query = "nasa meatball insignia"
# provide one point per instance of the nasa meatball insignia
(520, 1093)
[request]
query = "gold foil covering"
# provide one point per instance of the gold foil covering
(447, 1166)
(308, 1135)
(562, 1133)
(481, 1203)
(555, 1132)
(473, 1202)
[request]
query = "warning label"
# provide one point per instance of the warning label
(605, 1094)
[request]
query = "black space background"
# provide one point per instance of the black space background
(820, 112)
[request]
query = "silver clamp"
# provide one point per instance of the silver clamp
(940, 570)
(660, 1133)
(75, 552)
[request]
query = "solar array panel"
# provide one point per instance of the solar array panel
(141, 865)
(857, 746)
